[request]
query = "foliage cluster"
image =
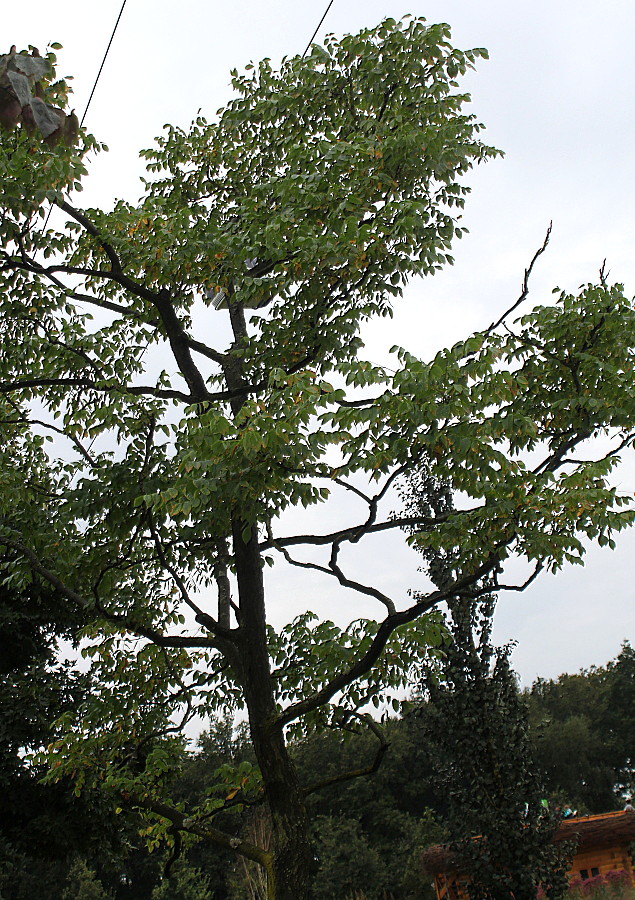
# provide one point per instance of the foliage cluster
(582, 734)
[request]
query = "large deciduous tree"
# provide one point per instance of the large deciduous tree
(583, 733)
(196, 359)
(571, 743)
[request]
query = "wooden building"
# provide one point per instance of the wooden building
(604, 843)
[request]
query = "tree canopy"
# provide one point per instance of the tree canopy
(179, 373)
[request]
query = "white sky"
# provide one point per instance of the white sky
(556, 96)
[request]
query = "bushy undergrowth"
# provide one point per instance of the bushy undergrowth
(615, 885)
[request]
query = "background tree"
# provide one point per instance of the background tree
(83, 884)
(582, 734)
(42, 827)
(289, 221)
(617, 724)
(478, 724)
(384, 816)
(568, 741)
(183, 883)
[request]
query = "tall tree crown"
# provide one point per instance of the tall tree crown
(298, 213)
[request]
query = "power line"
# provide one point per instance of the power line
(114, 31)
(103, 60)
(46, 221)
(317, 29)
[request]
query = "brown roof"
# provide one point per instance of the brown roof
(598, 831)
(587, 831)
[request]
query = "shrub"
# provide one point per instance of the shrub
(614, 885)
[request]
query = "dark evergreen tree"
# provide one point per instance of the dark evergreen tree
(477, 722)
(477, 725)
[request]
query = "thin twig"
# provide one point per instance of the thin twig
(525, 285)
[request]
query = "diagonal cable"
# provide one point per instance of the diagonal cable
(92, 91)
(317, 29)
(104, 59)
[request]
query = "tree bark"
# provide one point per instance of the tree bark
(289, 878)
(289, 875)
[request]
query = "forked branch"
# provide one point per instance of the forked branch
(365, 663)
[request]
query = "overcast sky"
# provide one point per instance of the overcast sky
(556, 96)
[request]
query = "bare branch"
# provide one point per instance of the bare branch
(335, 572)
(355, 404)
(556, 459)
(356, 585)
(525, 285)
(378, 497)
(178, 339)
(179, 343)
(352, 488)
(8, 387)
(521, 587)
(582, 462)
(604, 274)
(365, 663)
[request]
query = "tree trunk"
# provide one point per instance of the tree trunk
(289, 878)
(292, 857)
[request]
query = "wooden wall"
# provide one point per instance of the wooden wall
(602, 860)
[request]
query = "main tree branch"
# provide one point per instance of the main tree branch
(365, 663)
(207, 833)
(355, 532)
(20, 384)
